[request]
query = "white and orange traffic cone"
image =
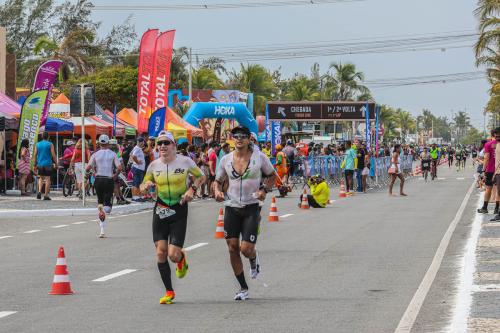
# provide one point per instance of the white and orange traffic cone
(61, 284)
(273, 212)
(304, 204)
(219, 230)
(342, 193)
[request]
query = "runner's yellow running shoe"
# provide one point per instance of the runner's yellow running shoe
(182, 267)
(168, 298)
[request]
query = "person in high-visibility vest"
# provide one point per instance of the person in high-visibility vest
(434, 156)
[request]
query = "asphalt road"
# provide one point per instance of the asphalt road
(352, 267)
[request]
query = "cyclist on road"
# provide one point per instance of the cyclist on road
(104, 162)
(425, 158)
(434, 156)
(170, 173)
(245, 168)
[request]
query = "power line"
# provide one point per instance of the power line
(423, 80)
(215, 6)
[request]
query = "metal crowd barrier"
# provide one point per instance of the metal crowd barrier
(329, 167)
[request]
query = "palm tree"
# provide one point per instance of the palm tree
(462, 124)
(77, 50)
(205, 78)
(179, 75)
(406, 123)
(301, 88)
(256, 79)
(347, 81)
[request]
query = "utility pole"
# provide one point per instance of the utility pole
(190, 77)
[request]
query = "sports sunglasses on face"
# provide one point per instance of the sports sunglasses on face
(240, 136)
(164, 143)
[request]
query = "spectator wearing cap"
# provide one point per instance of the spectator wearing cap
(138, 168)
(68, 152)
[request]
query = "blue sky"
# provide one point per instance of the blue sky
(333, 22)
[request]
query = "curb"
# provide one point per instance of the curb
(128, 209)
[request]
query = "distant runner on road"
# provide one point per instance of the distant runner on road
(245, 169)
(170, 173)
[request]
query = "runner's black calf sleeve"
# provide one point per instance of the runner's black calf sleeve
(485, 205)
(253, 262)
(241, 280)
(164, 269)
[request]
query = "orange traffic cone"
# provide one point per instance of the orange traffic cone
(305, 203)
(61, 285)
(219, 230)
(342, 193)
(273, 212)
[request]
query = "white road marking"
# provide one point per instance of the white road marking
(441, 178)
(59, 226)
(81, 222)
(6, 313)
(286, 215)
(496, 224)
(4, 237)
(31, 231)
(479, 288)
(488, 276)
(112, 276)
(489, 242)
(467, 266)
(411, 313)
(460, 178)
(195, 246)
(478, 325)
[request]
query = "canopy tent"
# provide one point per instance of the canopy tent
(91, 128)
(173, 118)
(58, 125)
(129, 130)
(128, 116)
(8, 106)
(60, 107)
(120, 130)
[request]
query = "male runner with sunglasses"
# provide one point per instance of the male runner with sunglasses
(170, 173)
(244, 167)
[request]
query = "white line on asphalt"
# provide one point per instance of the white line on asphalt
(460, 178)
(480, 288)
(81, 222)
(131, 214)
(31, 231)
(6, 313)
(286, 215)
(59, 226)
(4, 237)
(467, 266)
(441, 178)
(411, 313)
(112, 276)
(195, 246)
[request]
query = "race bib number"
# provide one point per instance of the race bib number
(163, 212)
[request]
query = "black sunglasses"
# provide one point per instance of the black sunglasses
(164, 143)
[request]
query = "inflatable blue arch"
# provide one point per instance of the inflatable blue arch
(238, 111)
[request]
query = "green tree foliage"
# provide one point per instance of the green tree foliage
(473, 137)
(114, 85)
(253, 78)
(205, 78)
(347, 82)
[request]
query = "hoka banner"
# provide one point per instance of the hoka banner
(157, 122)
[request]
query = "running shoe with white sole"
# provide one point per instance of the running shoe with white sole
(241, 295)
(255, 268)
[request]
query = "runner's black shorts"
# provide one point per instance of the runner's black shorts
(172, 228)
(104, 187)
(244, 221)
(488, 179)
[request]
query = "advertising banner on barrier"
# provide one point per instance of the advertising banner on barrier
(145, 79)
(29, 123)
(367, 126)
(44, 80)
(306, 111)
(275, 135)
(161, 71)
(377, 124)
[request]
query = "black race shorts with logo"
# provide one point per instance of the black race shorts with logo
(488, 178)
(244, 221)
(170, 228)
(45, 171)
